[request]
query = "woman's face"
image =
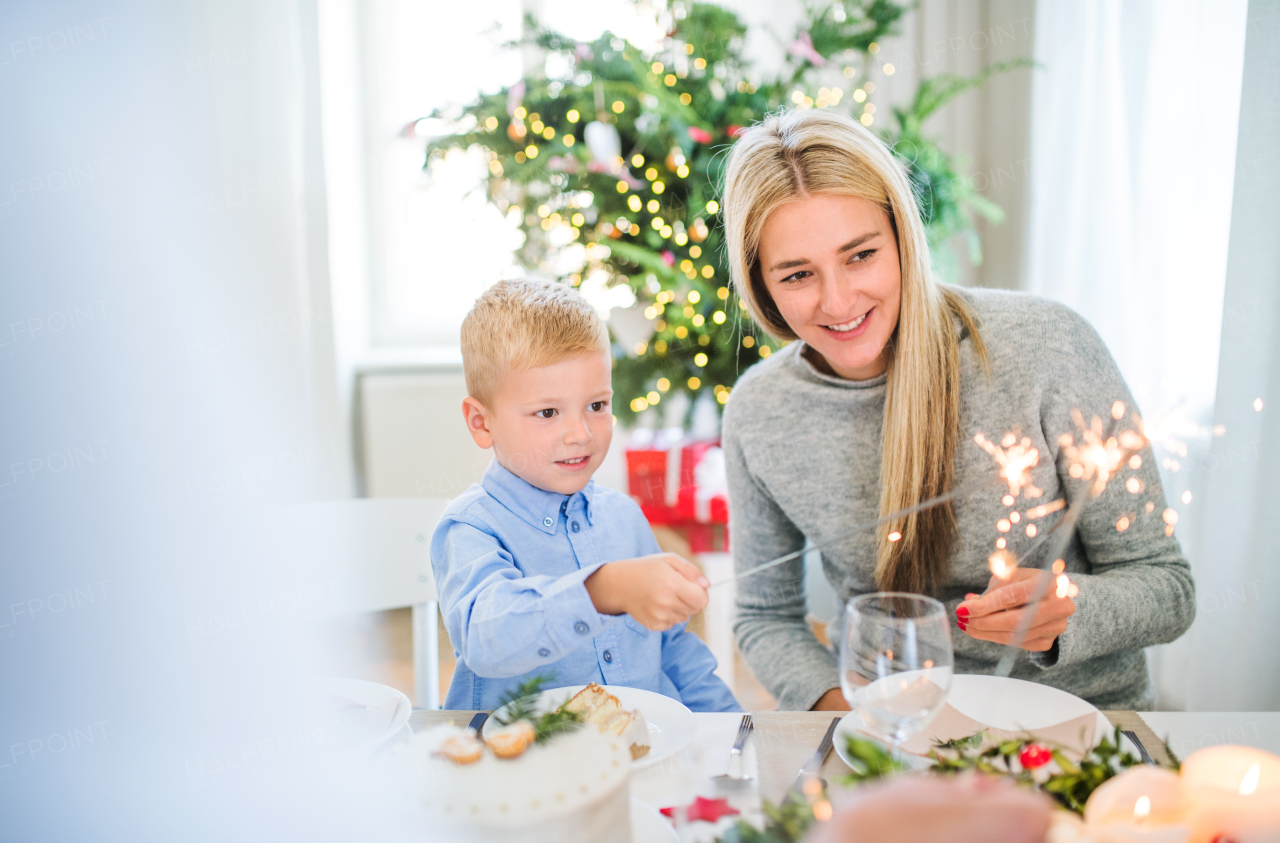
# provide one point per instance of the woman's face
(831, 265)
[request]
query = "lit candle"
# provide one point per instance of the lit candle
(1233, 793)
(1141, 805)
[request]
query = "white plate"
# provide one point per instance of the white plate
(671, 725)
(1001, 703)
(649, 826)
(363, 714)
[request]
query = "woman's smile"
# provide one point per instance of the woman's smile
(851, 329)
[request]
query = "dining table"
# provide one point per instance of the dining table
(783, 741)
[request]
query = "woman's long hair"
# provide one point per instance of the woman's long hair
(795, 154)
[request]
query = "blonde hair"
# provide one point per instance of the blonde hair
(522, 324)
(796, 154)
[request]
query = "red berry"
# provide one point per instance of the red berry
(1034, 755)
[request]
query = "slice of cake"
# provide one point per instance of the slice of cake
(597, 706)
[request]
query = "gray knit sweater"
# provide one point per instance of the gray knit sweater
(803, 456)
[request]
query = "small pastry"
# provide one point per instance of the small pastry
(461, 749)
(512, 740)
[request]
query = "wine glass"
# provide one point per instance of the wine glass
(896, 662)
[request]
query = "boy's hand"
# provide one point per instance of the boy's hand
(660, 590)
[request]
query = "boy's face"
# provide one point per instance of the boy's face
(551, 425)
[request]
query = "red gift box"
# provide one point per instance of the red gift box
(668, 493)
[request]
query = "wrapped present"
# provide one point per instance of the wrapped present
(679, 482)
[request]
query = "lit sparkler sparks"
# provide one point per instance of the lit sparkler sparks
(1098, 456)
(1094, 460)
(1016, 457)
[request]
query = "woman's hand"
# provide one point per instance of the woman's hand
(996, 615)
(934, 809)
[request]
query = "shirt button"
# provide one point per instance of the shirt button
(576, 526)
(544, 652)
(581, 628)
(547, 522)
(608, 656)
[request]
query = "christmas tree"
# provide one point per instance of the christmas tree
(618, 154)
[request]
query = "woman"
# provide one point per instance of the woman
(875, 405)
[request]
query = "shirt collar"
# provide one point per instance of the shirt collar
(538, 507)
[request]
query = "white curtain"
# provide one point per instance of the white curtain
(1233, 661)
(1134, 120)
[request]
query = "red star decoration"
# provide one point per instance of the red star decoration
(708, 810)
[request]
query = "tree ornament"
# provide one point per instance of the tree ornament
(802, 48)
(515, 96)
(516, 130)
(675, 159)
(698, 231)
(699, 135)
(604, 142)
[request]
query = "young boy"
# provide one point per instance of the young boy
(539, 570)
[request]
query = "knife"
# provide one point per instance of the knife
(814, 765)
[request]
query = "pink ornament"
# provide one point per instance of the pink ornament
(669, 258)
(802, 48)
(514, 95)
(699, 135)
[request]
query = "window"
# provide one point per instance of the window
(431, 243)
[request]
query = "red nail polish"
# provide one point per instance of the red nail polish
(962, 612)
(963, 626)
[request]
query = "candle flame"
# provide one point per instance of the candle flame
(1249, 783)
(1142, 808)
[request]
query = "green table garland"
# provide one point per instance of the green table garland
(1029, 763)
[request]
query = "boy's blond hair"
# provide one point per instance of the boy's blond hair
(522, 324)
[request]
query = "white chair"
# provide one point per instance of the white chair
(377, 551)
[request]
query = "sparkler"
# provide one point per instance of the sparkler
(866, 525)
(1093, 462)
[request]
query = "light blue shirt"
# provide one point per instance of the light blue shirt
(510, 561)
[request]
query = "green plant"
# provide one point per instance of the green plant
(521, 703)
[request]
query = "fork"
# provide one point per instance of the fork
(1142, 750)
(735, 773)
